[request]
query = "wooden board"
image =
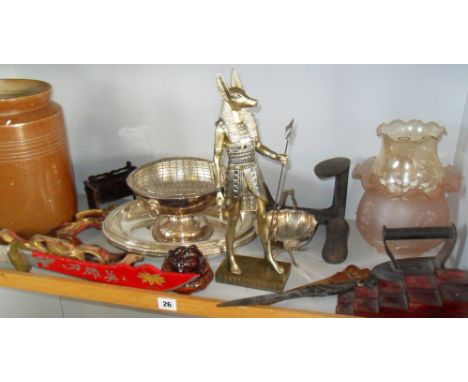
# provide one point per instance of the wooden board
(139, 298)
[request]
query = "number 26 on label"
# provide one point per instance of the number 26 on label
(167, 304)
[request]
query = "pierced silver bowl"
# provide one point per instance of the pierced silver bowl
(176, 190)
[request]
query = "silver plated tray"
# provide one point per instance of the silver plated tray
(129, 227)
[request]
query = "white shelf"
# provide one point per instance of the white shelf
(312, 268)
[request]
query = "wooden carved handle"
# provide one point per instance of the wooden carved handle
(350, 273)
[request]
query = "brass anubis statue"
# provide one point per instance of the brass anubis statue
(236, 132)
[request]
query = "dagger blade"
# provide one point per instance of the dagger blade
(316, 290)
(340, 282)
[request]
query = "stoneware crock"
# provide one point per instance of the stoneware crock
(37, 190)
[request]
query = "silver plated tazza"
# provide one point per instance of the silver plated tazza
(177, 190)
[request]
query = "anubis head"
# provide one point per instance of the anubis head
(235, 95)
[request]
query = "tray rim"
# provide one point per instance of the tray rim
(208, 247)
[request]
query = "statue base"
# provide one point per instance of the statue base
(257, 273)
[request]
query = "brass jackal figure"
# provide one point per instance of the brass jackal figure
(236, 132)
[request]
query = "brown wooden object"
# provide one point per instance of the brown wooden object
(138, 298)
(108, 186)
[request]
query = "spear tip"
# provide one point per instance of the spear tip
(288, 130)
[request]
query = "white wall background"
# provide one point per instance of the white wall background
(458, 201)
(119, 112)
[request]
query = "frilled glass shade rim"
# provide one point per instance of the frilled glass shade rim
(451, 181)
(414, 130)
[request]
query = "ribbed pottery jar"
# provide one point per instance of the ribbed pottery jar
(405, 185)
(37, 191)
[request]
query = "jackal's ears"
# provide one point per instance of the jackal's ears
(235, 80)
(222, 87)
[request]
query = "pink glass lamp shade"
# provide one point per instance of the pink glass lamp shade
(405, 185)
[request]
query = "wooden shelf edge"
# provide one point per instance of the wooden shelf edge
(140, 298)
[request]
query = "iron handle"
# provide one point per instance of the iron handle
(418, 233)
(422, 233)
